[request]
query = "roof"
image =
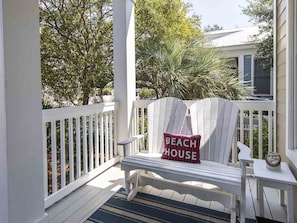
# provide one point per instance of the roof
(232, 37)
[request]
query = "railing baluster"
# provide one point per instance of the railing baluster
(71, 155)
(45, 159)
(106, 145)
(142, 121)
(110, 135)
(96, 142)
(134, 147)
(270, 132)
(62, 153)
(251, 131)
(101, 140)
(136, 123)
(260, 142)
(241, 126)
(78, 149)
(54, 156)
(85, 144)
(90, 133)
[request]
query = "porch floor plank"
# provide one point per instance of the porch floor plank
(79, 205)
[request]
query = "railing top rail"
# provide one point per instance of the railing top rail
(255, 105)
(74, 112)
(142, 103)
(243, 105)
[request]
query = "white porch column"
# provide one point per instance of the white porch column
(241, 67)
(21, 162)
(124, 63)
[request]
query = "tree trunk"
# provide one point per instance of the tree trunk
(85, 96)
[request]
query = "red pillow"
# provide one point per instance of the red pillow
(181, 147)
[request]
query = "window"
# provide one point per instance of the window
(257, 76)
(262, 76)
(247, 69)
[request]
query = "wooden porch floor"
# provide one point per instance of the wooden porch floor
(79, 205)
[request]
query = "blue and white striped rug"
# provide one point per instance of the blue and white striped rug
(153, 209)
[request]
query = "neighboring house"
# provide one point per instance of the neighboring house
(236, 45)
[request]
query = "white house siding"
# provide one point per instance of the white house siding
(281, 85)
(280, 64)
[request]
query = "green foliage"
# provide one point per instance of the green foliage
(209, 28)
(156, 22)
(186, 70)
(146, 93)
(209, 75)
(256, 154)
(172, 58)
(160, 68)
(76, 48)
(142, 124)
(46, 105)
(264, 142)
(157, 19)
(261, 13)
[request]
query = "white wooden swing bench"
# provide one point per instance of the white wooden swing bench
(215, 120)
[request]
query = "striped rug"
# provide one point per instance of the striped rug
(153, 209)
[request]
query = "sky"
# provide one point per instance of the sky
(225, 13)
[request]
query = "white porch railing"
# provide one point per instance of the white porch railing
(78, 143)
(255, 125)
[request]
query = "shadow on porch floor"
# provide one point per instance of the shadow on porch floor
(78, 206)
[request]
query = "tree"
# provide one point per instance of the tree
(172, 58)
(158, 24)
(261, 13)
(158, 19)
(76, 48)
(214, 27)
(160, 67)
(186, 70)
(209, 75)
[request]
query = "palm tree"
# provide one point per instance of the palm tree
(160, 67)
(210, 74)
(185, 70)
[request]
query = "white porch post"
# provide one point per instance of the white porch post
(124, 63)
(21, 162)
(241, 67)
